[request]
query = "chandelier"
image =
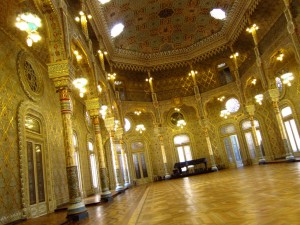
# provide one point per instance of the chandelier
(224, 113)
(140, 128)
(259, 98)
(181, 123)
(80, 83)
(287, 78)
(29, 23)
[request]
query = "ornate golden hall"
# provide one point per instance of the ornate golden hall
(150, 112)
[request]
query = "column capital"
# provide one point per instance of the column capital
(109, 123)
(274, 94)
(93, 106)
(119, 133)
(61, 73)
(250, 109)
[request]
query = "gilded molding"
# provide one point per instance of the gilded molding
(60, 69)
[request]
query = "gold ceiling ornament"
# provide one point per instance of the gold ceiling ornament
(80, 84)
(29, 23)
(140, 128)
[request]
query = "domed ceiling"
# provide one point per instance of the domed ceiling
(167, 31)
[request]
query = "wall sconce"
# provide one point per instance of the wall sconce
(149, 79)
(137, 113)
(82, 17)
(193, 73)
(99, 88)
(181, 123)
(177, 109)
(221, 99)
(29, 23)
(77, 55)
(103, 111)
(253, 81)
(279, 56)
(253, 28)
(287, 78)
(80, 83)
(140, 128)
(234, 55)
(224, 113)
(111, 76)
(259, 98)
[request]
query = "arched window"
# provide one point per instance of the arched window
(291, 128)
(93, 164)
(182, 145)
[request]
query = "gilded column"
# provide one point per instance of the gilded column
(210, 151)
(259, 154)
(164, 158)
(274, 95)
(110, 123)
(61, 74)
(202, 121)
(291, 29)
(93, 107)
(119, 134)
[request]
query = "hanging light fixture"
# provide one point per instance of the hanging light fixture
(224, 113)
(253, 28)
(29, 23)
(103, 111)
(140, 128)
(259, 98)
(287, 78)
(181, 123)
(80, 83)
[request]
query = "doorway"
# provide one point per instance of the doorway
(233, 150)
(36, 181)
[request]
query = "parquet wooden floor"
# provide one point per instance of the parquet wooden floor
(257, 195)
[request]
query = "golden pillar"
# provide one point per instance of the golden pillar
(93, 107)
(259, 154)
(61, 74)
(119, 134)
(110, 126)
(209, 146)
(274, 96)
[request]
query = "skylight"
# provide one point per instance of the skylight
(104, 1)
(116, 30)
(218, 14)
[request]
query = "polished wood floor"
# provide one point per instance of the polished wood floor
(256, 195)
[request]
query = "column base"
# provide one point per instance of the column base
(167, 176)
(290, 158)
(106, 196)
(77, 211)
(261, 161)
(214, 168)
(120, 188)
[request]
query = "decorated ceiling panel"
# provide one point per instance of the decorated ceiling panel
(153, 26)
